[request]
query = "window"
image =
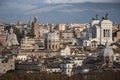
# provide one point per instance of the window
(56, 46)
(68, 37)
(55, 71)
(104, 33)
(68, 71)
(63, 37)
(68, 66)
(108, 33)
(49, 46)
(4, 65)
(52, 46)
(92, 44)
(4, 70)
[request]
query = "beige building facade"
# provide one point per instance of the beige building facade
(53, 42)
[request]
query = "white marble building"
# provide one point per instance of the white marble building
(11, 38)
(66, 51)
(99, 31)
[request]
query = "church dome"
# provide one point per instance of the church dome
(106, 51)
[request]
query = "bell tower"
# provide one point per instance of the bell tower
(35, 27)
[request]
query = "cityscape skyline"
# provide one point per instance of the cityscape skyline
(59, 40)
(58, 11)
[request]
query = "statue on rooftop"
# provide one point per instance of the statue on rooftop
(93, 18)
(106, 16)
(96, 17)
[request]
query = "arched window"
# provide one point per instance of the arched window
(49, 46)
(109, 33)
(56, 47)
(52, 46)
(104, 33)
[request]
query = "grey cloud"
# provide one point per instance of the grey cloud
(2, 2)
(22, 1)
(74, 10)
(46, 9)
(18, 5)
(103, 10)
(81, 1)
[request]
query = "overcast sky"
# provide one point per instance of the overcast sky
(58, 11)
(80, 1)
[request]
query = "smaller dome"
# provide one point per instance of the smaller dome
(107, 52)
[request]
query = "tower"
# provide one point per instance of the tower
(35, 27)
(106, 30)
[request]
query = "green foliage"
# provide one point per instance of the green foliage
(31, 35)
(18, 33)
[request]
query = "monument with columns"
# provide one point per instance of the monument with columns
(99, 31)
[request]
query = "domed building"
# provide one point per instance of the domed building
(107, 54)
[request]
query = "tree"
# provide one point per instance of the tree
(18, 33)
(31, 35)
